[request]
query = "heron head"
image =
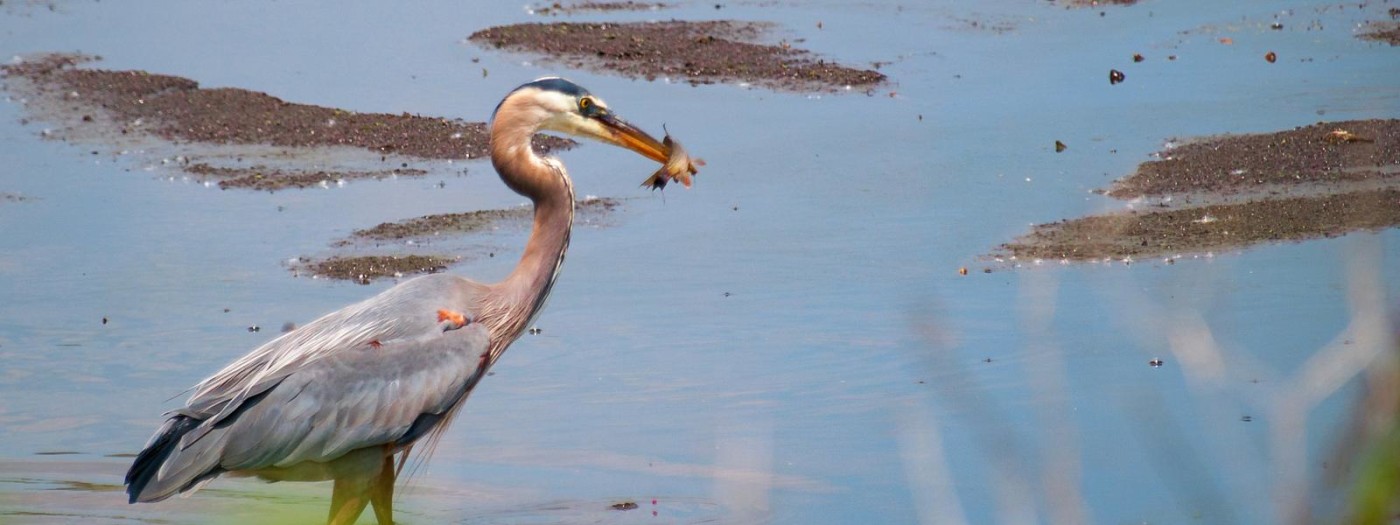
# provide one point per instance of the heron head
(556, 104)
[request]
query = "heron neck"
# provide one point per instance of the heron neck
(539, 265)
(521, 296)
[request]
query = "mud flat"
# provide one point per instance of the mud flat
(558, 8)
(422, 233)
(364, 269)
(588, 210)
(1332, 153)
(251, 141)
(1137, 235)
(1097, 3)
(270, 179)
(700, 52)
(1382, 31)
(105, 106)
(1234, 191)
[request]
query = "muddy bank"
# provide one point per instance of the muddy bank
(93, 105)
(1172, 233)
(1387, 32)
(1096, 3)
(557, 8)
(176, 109)
(265, 178)
(421, 232)
(1314, 181)
(699, 52)
(364, 269)
(1323, 153)
(586, 211)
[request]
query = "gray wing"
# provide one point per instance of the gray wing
(357, 399)
(406, 310)
(389, 396)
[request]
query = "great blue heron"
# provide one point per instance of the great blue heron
(340, 396)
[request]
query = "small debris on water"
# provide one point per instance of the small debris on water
(104, 320)
(1137, 57)
(254, 328)
(626, 505)
(1156, 363)
(1246, 419)
(535, 330)
(1271, 57)
(1060, 146)
(1115, 76)
(962, 271)
(1276, 26)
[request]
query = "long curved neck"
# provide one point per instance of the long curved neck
(514, 302)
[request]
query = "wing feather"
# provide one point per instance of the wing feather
(402, 311)
(323, 390)
(355, 399)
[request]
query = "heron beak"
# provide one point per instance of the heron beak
(628, 136)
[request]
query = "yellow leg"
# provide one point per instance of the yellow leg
(347, 501)
(381, 492)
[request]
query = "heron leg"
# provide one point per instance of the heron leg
(381, 492)
(347, 501)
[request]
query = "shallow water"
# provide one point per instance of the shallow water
(788, 342)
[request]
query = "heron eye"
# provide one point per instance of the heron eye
(585, 104)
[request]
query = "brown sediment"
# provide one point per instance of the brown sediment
(1381, 31)
(558, 8)
(585, 210)
(1207, 228)
(624, 505)
(701, 52)
(1314, 181)
(1098, 3)
(467, 222)
(983, 23)
(365, 268)
(1236, 163)
(264, 178)
(177, 109)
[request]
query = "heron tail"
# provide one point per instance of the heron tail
(154, 458)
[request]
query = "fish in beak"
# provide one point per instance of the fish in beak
(676, 163)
